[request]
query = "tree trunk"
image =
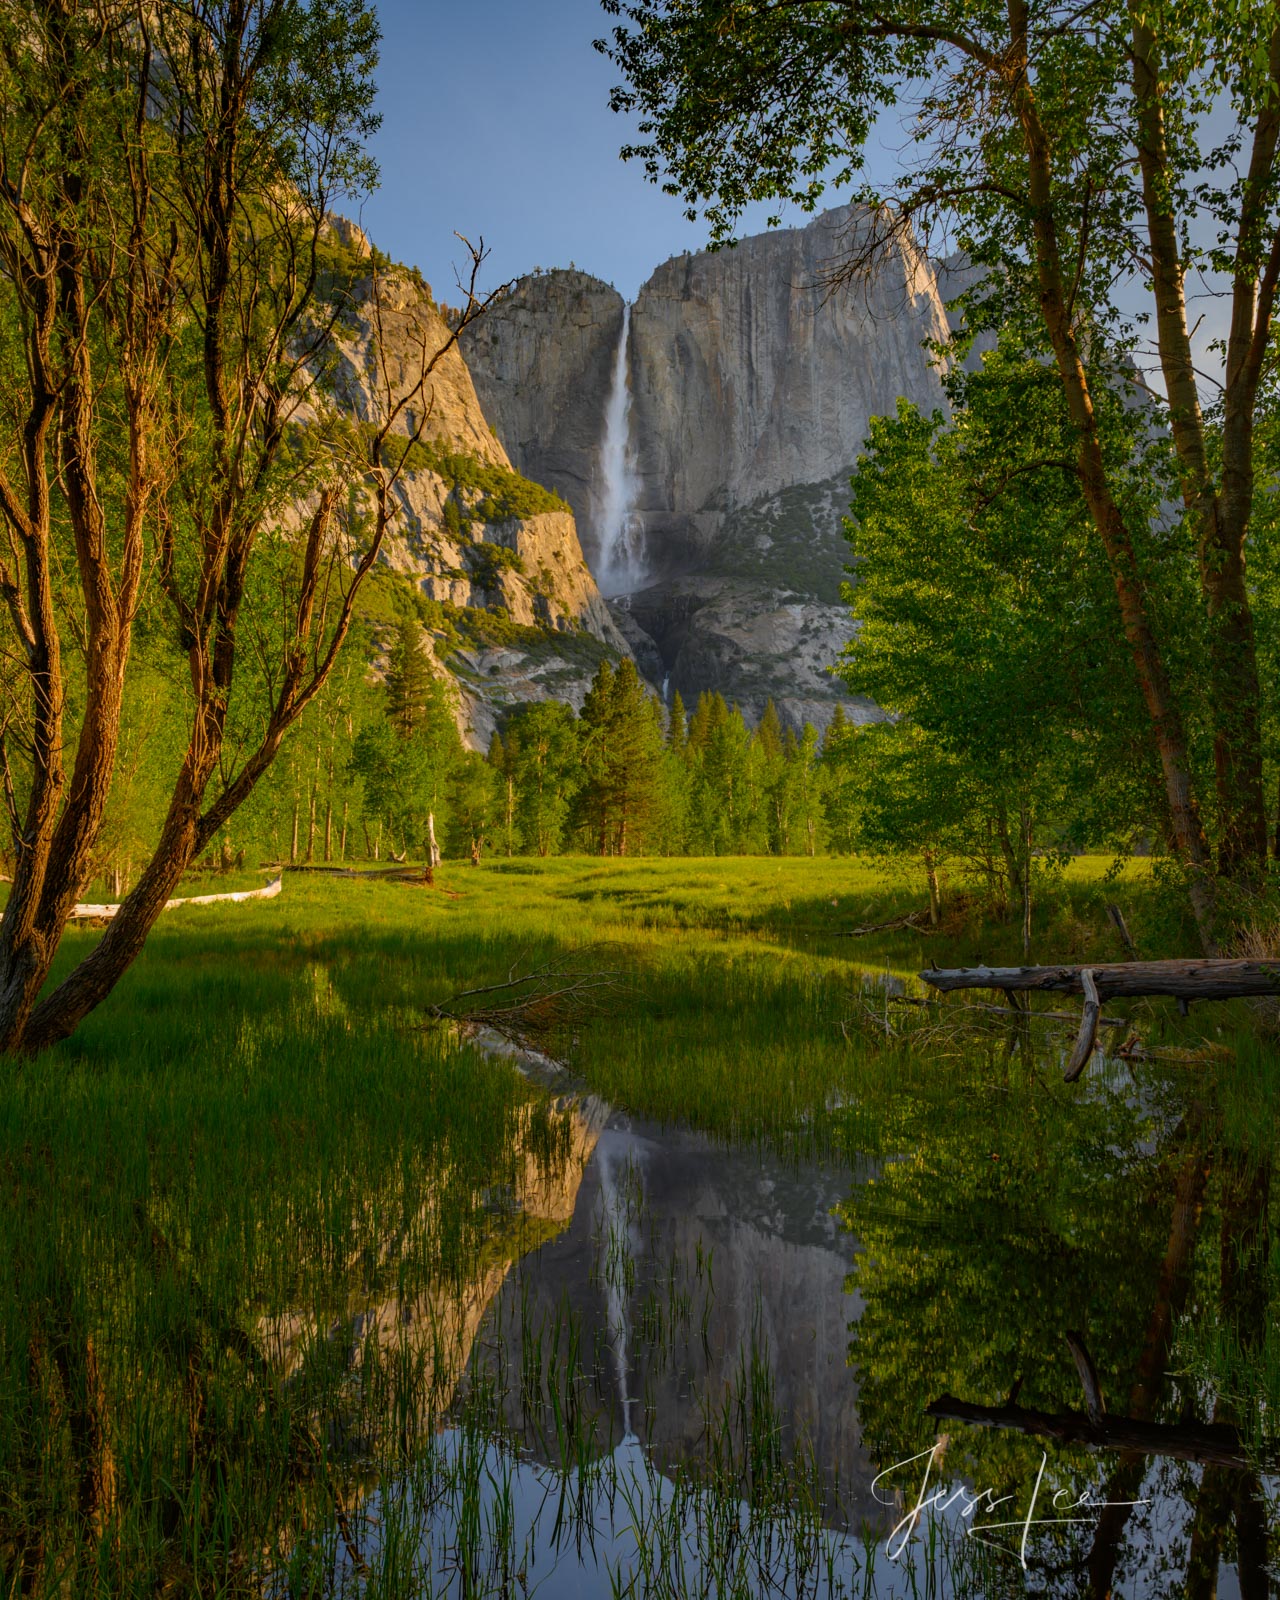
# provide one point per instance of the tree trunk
(931, 878)
(342, 838)
(1204, 979)
(311, 810)
(1220, 516)
(433, 850)
(1171, 1296)
(1013, 872)
(293, 841)
(1026, 881)
(1167, 726)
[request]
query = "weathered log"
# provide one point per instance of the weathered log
(1088, 1035)
(1206, 1442)
(103, 913)
(911, 919)
(1202, 979)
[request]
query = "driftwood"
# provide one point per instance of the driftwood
(526, 1007)
(912, 919)
(1215, 1443)
(1183, 981)
(1208, 1442)
(1088, 1035)
(1202, 979)
(104, 913)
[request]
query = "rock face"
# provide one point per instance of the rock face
(542, 362)
(737, 1260)
(752, 388)
(750, 376)
(472, 534)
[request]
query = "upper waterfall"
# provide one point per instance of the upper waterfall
(620, 562)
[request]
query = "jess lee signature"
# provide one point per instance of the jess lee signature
(972, 1505)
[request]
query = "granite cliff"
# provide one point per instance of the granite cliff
(752, 385)
(515, 612)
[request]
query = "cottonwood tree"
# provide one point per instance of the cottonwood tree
(987, 621)
(165, 174)
(1071, 147)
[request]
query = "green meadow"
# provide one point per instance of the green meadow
(270, 1135)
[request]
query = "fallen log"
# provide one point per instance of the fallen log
(103, 913)
(1207, 1442)
(1204, 979)
(911, 919)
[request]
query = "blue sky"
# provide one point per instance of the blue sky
(496, 121)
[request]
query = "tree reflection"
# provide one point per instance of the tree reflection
(1010, 1218)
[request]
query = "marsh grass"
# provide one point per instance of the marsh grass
(223, 1196)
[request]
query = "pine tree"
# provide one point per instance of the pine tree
(709, 714)
(837, 730)
(840, 782)
(769, 733)
(542, 754)
(621, 745)
(502, 761)
(677, 726)
(408, 680)
(593, 729)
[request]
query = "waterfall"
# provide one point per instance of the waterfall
(620, 567)
(617, 1250)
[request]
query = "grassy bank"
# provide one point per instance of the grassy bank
(215, 1191)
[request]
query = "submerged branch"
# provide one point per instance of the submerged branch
(534, 1003)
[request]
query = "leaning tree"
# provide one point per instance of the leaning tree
(1103, 161)
(170, 456)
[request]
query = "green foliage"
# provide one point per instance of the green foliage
(541, 758)
(1054, 148)
(488, 562)
(620, 751)
(475, 805)
(480, 490)
(988, 623)
(405, 757)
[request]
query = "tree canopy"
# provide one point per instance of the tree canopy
(1072, 155)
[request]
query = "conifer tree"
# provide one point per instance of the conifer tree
(769, 733)
(542, 754)
(677, 726)
(840, 787)
(709, 714)
(622, 750)
(836, 731)
(408, 680)
(593, 728)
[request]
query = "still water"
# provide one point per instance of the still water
(973, 1361)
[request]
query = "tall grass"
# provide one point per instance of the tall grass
(251, 1214)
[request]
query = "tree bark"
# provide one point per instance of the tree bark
(931, 878)
(1163, 710)
(1205, 979)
